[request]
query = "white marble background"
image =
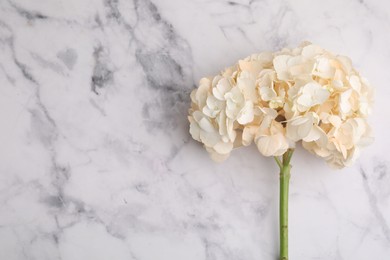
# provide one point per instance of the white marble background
(95, 157)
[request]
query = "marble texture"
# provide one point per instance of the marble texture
(95, 157)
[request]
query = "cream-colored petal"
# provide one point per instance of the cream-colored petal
(222, 87)
(280, 65)
(273, 145)
(209, 139)
(223, 148)
(246, 114)
(206, 125)
(216, 156)
(195, 131)
(335, 120)
(253, 67)
(267, 93)
(230, 131)
(304, 102)
(355, 83)
(268, 145)
(324, 68)
(316, 133)
(310, 95)
(248, 135)
(345, 106)
(311, 51)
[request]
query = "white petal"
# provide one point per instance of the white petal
(246, 114)
(253, 67)
(230, 132)
(344, 104)
(305, 101)
(321, 95)
(197, 116)
(223, 148)
(316, 133)
(280, 65)
(201, 92)
(335, 120)
(273, 145)
(304, 130)
(209, 112)
(216, 156)
(267, 93)
(222, 87)
(209, 139)
(355, 83)
(195, 131)
(324, 68)
(311, 51)
(247, 84)
(221, 121)
(206, 125)
(268, 145)
(300, 120)
(248, 135)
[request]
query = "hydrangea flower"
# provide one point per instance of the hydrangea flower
(276, 100)
(305, 94)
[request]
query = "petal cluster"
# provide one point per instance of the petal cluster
(275, 100)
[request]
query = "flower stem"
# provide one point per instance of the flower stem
(283, 203)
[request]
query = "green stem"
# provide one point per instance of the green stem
(278, 162)
(283, 206)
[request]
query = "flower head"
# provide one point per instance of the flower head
(275, 100)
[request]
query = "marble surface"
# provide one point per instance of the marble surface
(95, 157)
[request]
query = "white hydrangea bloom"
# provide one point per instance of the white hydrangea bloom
(305, 94)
